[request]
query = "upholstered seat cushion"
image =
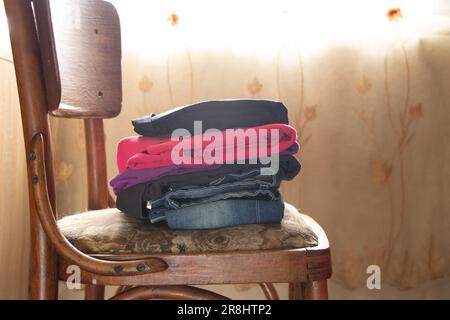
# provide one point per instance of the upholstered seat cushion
(113, 232)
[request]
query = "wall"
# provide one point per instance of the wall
(14, 222)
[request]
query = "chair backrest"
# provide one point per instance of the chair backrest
(81, 53)
(80, 80)
(67, 56)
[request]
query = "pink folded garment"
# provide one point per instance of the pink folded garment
(222, 147)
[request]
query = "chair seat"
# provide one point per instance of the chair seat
(110, 231)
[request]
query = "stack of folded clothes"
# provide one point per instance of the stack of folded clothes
(209, 165)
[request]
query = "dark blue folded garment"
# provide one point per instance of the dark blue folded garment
(218, 114)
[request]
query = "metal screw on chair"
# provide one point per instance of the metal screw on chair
(32, 155)
(118, 269)
(34, 179)
(140, 267)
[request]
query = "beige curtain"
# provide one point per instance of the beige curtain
(371, 107)
(375, 143)
(372, 110)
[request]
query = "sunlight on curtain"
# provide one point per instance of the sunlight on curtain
(5, 50)
(264, 26)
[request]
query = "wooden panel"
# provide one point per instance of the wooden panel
(277, 266)
(223, 268)
(14, 217)
(81, 53)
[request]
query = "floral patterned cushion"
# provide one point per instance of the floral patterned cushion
(113, 232)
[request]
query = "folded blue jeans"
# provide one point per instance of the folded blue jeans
(225, 213)
(250, 188)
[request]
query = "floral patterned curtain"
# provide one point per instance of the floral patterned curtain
(371, 108)
(371, 105)
(367, 89)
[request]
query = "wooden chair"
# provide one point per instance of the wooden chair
(67, 57)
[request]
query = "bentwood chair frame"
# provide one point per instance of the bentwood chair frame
(76, 73)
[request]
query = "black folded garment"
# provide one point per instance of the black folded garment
(134, 200)
(219, 114)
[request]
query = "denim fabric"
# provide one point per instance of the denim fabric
(266, 188)
(225, 213)
(219, 114)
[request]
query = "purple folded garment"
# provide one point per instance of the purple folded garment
(295, 148)
(132, 177)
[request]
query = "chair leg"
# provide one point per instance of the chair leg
(313, 290)
(316, 290)
(94, 292)
(44, 275)
(269, 291)
(296, 291)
